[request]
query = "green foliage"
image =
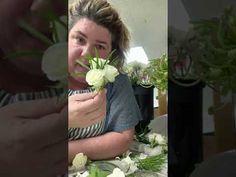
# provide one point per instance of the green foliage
(141, 135)
(215, 55)
(158, 72)
(152, 163)
(94, 171)
(96, 63)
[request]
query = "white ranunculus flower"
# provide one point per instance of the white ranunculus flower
(130, 163)
(157, 137)
(95, 77)
(110, 73)
(80, 161)
(54, 62)
(117, 173)
(152, 151)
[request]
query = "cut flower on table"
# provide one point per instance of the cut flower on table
(156, 139)
(117, 173)
(80, 161)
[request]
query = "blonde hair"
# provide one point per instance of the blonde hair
(101, 12)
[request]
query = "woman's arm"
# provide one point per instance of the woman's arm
(105, 146)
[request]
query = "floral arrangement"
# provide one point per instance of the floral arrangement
(100, 71)
(214, 41)
(137, 74)
(157, 71)
(147, 160)
(207, 53)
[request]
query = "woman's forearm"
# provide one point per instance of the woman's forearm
(106, 146)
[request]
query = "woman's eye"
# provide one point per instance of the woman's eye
(79, 40)
(100, 47)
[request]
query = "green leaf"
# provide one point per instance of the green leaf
(82, 64)
(152, 163)
(34, 32)
(94, 171)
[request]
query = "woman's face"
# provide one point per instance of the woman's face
(84, 39)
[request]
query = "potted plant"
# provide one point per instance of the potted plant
(206, 55)
(214, 51)
(157, 71)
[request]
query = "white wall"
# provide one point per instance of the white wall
(147, 22)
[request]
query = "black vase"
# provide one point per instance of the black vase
(184, 128)
(144, 98)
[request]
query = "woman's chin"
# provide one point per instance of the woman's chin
(77, 83)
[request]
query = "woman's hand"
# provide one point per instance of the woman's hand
(86, 109)
(33, 138)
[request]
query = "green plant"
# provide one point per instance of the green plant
(153, 163)
(94, 171)
(214, 51)
(157, 71)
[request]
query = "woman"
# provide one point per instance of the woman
(94, 24)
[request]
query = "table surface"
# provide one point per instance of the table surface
(158, 125)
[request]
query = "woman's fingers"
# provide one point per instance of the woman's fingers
(91, 104)
(83, 96)
(87, 109)
(33, 109)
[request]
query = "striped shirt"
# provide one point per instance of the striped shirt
(8, 98)
(91, 131)
(73, 133)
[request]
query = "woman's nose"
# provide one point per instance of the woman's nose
(88, 51)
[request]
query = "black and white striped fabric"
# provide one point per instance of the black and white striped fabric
(8, 98)
(91, 131)
(73, 133)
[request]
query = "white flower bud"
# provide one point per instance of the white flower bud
(79, 161)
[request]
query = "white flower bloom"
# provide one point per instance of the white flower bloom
(156, 137)
(132, 167)
(100, 75)
(152, 151)
(85, 174)
(142, 156)
(79, 161)
(117, 173)
(54, 62)
(110, 73)
(95, 77)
